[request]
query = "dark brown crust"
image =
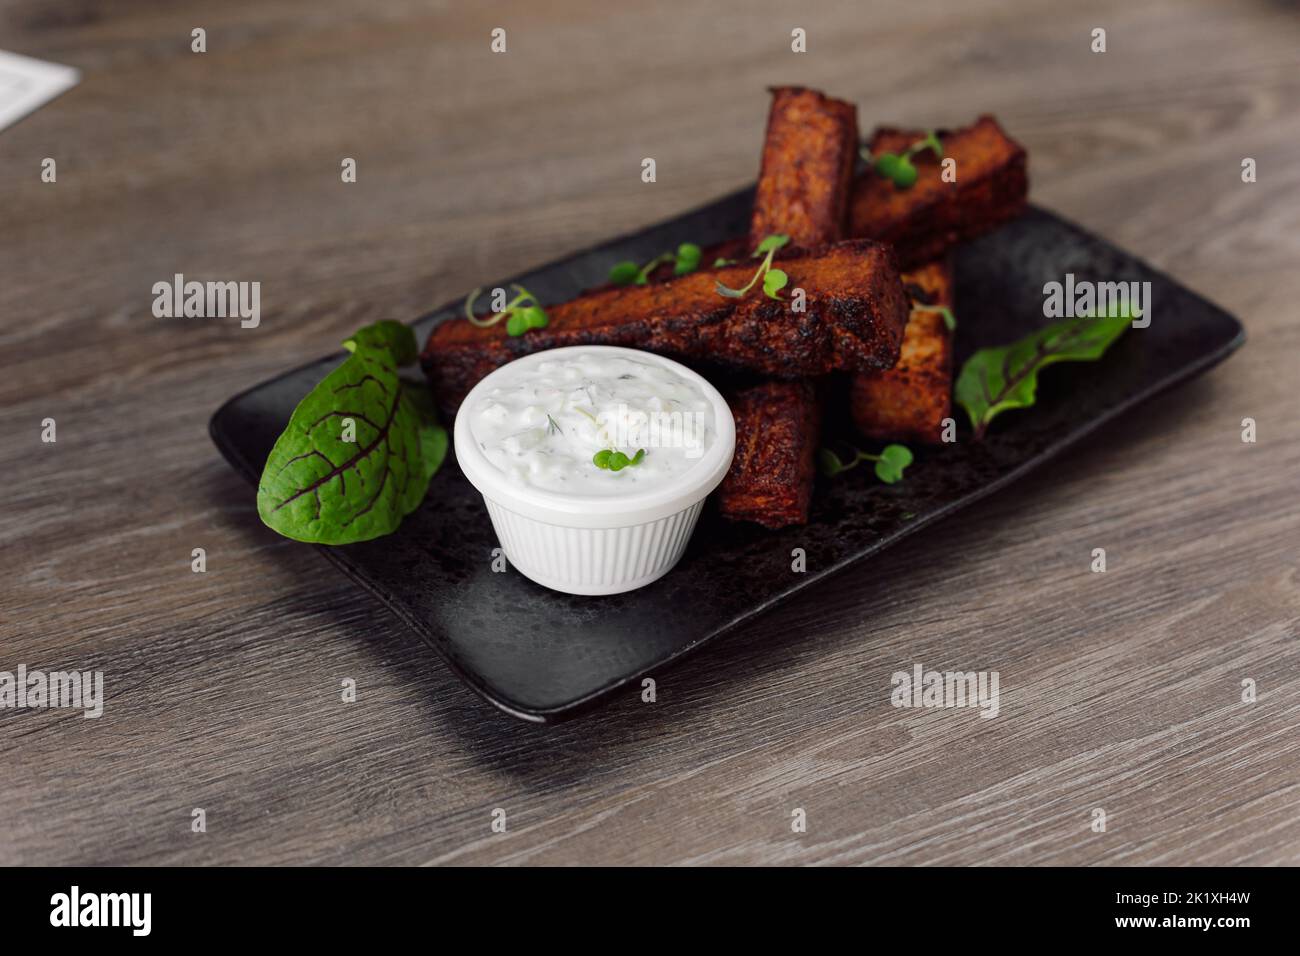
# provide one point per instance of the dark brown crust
(778, 425)
(926, 220)
(910, 401)
(808, 158)
(802, 192)
(856, 308)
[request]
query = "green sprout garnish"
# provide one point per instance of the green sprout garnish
(552, 426)
(611, 460)
(930, 141)
(889, 463)
(521, 313)
(774, 280)
(685, 261)
(719, 262)
(949, 320)
(688, 259)
(898, 168)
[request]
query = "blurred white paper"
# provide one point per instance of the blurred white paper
(26, 84)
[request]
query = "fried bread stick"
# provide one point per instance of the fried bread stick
(808, 157)
(928, 218)
(803, 192)
(771, 476)
(910, 401)
(856, 308)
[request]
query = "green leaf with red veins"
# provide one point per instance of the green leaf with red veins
(320, 487)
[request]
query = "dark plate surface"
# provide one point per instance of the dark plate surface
(541, 655)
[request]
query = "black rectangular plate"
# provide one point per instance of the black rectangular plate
(540, 655)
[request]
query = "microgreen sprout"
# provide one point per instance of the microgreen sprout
(774, 280)
(688, 258)
(770, 244)
(611, 460)
(552, 426)
(889, 463)
(685, 261)
(898, 168)
(949, 320)
(521, 313)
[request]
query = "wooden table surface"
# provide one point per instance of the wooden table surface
(1120, 691)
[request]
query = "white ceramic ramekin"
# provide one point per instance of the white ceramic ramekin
(584, 544)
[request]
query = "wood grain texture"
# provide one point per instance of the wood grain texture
(1119, 690)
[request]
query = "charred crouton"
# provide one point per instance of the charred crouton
(928, 218)
(778, 425)
(910, 401)
(855, 311)
(802, 192)
(808, 157)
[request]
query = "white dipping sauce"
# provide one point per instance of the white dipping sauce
(542, 426)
